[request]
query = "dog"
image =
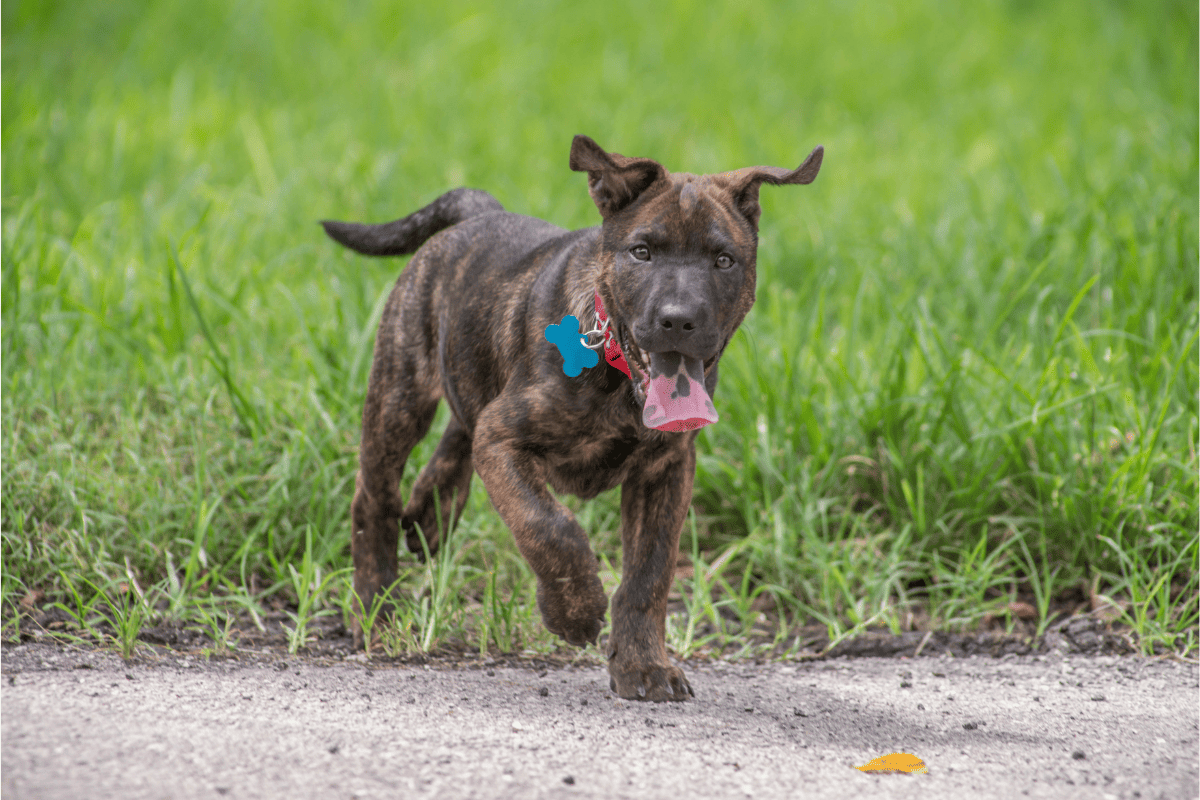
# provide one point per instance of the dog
(487, 316)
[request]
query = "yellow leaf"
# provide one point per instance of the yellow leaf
(895, 762)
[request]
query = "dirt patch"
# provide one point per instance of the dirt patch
(266, 639)
(1080, 635)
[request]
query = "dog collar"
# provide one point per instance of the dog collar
(673, 394)
(578, 352)
(612, 348)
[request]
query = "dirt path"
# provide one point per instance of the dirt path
(84, 724)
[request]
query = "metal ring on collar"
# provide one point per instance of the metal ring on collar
(602, 332)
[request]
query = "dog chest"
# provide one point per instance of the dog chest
(592, 465)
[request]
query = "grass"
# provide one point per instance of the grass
(970, 379)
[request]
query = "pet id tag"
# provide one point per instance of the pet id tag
(571, 343)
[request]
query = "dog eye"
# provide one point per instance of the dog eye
(724, 261)
(641, 252)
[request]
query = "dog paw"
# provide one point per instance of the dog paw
(654, 682)
(574, 613)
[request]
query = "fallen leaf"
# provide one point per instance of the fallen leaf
(1022, 610)
(895, 762)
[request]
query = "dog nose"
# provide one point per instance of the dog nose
(680, 324)
(677, 320)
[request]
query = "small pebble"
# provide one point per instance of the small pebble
(1078, 755)
(569, 780)
(544, 692)
(970, 725)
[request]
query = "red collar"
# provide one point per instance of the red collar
(612, 349)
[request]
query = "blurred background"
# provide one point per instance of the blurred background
(967, 394)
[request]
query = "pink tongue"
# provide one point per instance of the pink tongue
(675, 396)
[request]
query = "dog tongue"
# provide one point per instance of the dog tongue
(676, 399)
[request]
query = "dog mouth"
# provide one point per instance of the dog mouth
(638, 363)
(669, 386)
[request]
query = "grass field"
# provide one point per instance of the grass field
(969, 385)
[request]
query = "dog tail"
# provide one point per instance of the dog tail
(405, 235)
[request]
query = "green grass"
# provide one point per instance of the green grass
(970, 378)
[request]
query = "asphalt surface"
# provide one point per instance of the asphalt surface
(84, 724)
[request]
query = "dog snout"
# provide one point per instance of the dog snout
(677, 320)
(676, 326)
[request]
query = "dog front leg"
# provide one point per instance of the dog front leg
(654, 504)
(569, 594)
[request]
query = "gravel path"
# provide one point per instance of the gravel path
(80, 724)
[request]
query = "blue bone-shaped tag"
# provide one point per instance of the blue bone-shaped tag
(569, 341)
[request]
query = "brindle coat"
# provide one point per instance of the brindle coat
(674, 264)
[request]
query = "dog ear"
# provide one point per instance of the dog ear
(614, 181)
(744, 183)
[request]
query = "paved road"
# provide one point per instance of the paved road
(1051, 726)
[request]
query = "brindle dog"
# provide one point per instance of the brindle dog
(673, 264)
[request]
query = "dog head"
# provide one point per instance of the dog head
(677, 268)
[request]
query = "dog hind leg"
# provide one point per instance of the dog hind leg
(440, 491)
(397, 414)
